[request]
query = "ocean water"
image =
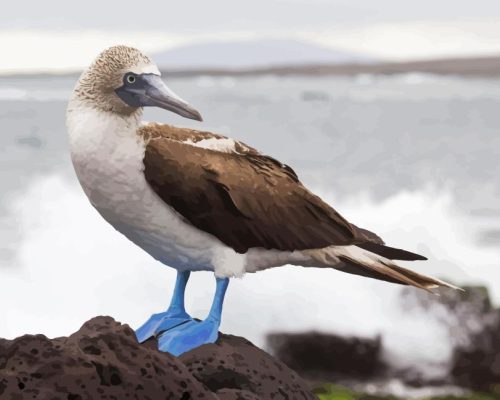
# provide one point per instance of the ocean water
(413, 157)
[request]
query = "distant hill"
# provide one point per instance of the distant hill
(486, 67)
(253, 54)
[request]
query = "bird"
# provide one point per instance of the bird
(199, 201)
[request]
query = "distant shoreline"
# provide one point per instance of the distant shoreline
(473, 67)
(485, 67)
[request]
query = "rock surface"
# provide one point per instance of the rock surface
(474, 326)
(474, 339)
(320, 356)
(104, 361)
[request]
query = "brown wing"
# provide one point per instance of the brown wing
(243, 198)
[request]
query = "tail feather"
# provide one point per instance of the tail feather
(391, 253)
(355, 268)
(359, 261)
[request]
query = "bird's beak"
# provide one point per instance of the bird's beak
(149, 90)
(157, 94)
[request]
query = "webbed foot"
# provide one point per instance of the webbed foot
(161, 322)
(188, 336)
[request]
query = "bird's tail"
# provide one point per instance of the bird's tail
(372, 263)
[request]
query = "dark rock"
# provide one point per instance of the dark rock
(474, 332)
(325, 356)
(104, 360)
(234, 363)
(235, 394)
(476, 363)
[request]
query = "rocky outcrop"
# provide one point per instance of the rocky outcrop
(474, 326)
(104, 361)
(321, 356)
(474, 336)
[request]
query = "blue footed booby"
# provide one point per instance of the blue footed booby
(199, 201)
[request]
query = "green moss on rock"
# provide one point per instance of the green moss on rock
(335, 392)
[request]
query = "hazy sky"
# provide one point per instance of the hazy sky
(63, 34)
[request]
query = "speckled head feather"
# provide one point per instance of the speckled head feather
(97, 84)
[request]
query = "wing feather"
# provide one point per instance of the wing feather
(243, 198)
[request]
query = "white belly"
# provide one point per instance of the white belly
(108, 160)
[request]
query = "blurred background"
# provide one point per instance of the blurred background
(389, 110)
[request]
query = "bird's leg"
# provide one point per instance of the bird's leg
(176, 307)
(188, 336)
(174, 316)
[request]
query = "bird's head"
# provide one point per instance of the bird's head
(123, 80)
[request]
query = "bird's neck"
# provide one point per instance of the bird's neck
(86, 123)
(104, 147)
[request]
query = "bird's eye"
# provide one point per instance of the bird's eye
(131, 79)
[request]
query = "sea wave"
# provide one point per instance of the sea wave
(70, 265)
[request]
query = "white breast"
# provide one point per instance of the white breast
(108, 159)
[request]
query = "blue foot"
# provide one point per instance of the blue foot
(174, 316)
(188, 336)
(161, 322)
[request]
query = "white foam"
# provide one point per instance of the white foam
(71, 265)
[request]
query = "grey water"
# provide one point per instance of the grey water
(376, 135)
(413, 157)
